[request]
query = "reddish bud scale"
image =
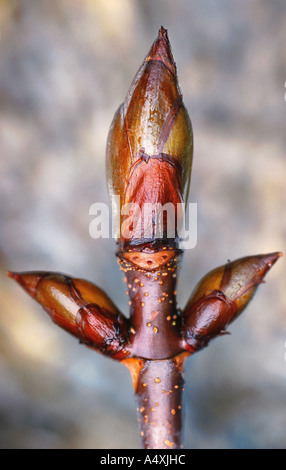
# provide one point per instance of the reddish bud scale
(99, 329)
(206, 320)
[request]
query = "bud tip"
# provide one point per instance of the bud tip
(161, 51)
(27, 280)
(271, 258)
(11, 274)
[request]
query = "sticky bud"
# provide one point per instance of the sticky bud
(150, 142)
(220, 297)
(79, 307)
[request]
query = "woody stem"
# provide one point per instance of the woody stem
(156, 350)
(159, 404)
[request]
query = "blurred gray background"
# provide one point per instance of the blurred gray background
(65, 67)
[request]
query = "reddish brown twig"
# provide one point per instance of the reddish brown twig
(149, 159)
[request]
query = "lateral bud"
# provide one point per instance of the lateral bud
(220, 297)
(80, 308)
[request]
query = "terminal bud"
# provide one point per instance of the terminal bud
(150, 142)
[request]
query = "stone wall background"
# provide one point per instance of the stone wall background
(64, 68)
